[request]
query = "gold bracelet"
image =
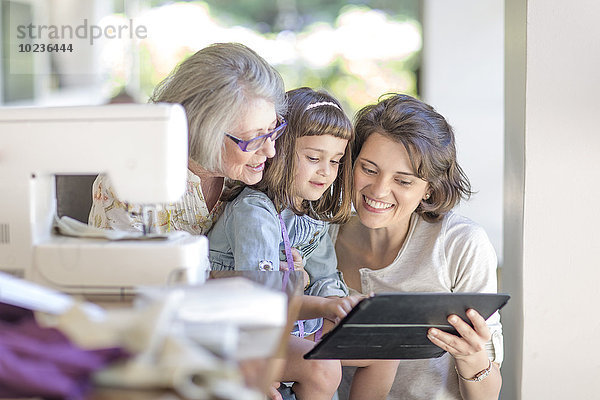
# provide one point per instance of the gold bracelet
(481, 375)
(307, 284)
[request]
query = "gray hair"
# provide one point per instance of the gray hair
(215, 85)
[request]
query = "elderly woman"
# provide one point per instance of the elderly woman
(233, 99)
(405, 237)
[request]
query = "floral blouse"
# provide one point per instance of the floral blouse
(189, 214)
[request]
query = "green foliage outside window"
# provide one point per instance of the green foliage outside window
(355, 50)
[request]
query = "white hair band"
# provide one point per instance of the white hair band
(322, 103)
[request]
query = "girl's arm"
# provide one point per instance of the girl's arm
(332, 308)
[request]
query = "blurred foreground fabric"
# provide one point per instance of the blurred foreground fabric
(42, 362)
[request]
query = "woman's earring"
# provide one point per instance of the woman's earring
(427, 196)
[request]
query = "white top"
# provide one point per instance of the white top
(452, 255)
(189, 214)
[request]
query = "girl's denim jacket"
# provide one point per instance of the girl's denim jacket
(248, 235)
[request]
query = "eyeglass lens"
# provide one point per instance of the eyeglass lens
(258, 142)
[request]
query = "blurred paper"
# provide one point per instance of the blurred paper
(21, 293)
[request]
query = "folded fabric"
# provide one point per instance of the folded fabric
(68, 226)
(42, 362)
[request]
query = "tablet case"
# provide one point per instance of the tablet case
(394, 325)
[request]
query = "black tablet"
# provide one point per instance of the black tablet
(394, 325)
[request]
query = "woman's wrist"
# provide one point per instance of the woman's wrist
(479, 376)
(470, 367)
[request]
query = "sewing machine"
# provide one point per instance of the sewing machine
(143, 148)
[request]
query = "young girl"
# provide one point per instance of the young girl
(305, 187)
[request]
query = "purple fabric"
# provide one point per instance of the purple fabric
(42, 362)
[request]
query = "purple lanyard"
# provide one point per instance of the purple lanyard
(290, 263)
(288, 252)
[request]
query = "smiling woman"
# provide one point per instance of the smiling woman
(406, 238)
(224, 88)
(246, 163)
(386, 191)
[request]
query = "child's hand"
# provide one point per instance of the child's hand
(332, 308)
(336, 308)
(273, 393)
(298, 266)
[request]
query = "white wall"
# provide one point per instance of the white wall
(514, 178)
(551, 247)
(462, 77)
(555, 128)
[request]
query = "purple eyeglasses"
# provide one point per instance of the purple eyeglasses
(257, 142)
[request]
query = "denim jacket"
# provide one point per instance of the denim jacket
(249, 232)
(247, 236)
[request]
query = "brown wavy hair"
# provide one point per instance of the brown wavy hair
(429, 141)
(279, 175)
